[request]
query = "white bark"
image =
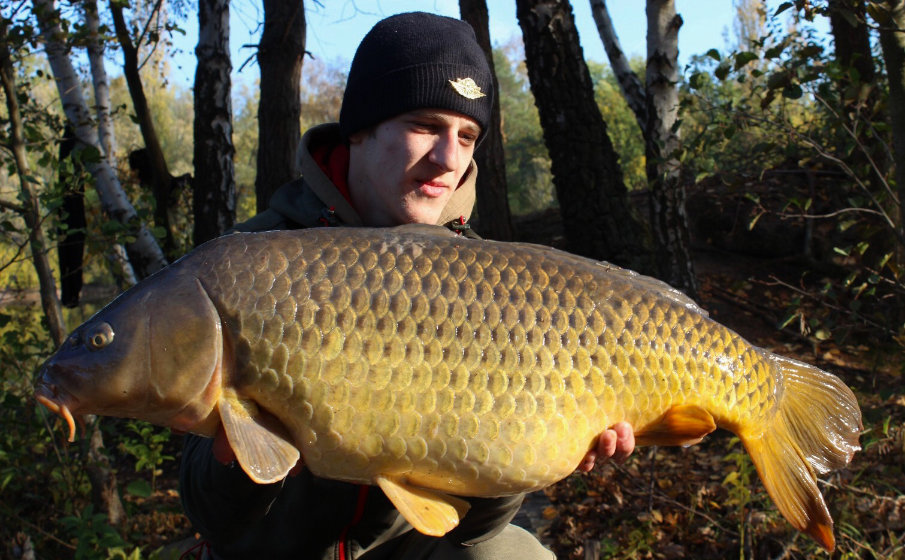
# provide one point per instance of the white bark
(144, 253)
(662, 75)
(99, 80)
(629, 83)
(103, 105)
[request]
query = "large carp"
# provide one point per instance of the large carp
(434, 366)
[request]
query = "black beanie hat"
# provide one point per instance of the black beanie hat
(416, 61)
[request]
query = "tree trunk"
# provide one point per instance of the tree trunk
(30, 205)
(71, 241)
(851, 40)
(632, 89)
(493, 202)
(214, 193)
(892, 41)
(99, 80)
(669, 222)
(144, 252)
(280, 56)
(153, 170)
(597, 217)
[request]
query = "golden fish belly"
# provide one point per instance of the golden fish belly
(478, 369)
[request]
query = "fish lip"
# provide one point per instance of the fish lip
(58, 401)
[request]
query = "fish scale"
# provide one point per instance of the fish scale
(400, 298)
(434, 365)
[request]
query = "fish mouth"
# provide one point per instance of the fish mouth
(49, 396)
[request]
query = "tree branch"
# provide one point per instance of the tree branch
(629, 82)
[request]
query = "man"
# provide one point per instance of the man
(416, 105)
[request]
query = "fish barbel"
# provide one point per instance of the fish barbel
(437, 366)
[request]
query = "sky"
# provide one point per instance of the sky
(335, 27)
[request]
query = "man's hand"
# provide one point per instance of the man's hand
(617, 443)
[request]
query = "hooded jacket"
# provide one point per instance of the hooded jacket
(305, 516)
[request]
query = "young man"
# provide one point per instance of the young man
(416, 105)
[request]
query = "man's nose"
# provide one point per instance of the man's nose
(445, 151)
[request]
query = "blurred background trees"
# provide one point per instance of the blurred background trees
(784, 144)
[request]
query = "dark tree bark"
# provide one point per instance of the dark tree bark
(597, 216)
(669, 222)
(851, 40)
(155, 173)
(71, 245)
(493, 202)
(892, 41)
(214, 193)
(280, 56)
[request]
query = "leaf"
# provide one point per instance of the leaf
(792, 91)
(140, 488)
(744, 58)
(782, 7)
(714, 54)
(721, 71)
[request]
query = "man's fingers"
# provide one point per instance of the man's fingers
(223, 453)
(624, 443)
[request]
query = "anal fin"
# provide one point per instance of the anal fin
(683, 424)
(430, 512)
(261, 443)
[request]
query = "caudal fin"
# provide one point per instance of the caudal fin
(815, 430)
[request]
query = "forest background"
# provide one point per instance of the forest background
(759, 175)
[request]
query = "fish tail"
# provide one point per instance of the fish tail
(815, 430)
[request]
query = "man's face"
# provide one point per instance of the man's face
(406, 169)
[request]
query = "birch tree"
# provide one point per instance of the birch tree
(598, 219)
(143, 251)
(214, 192)
(655, 103)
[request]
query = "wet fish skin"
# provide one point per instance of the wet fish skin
(413, 359)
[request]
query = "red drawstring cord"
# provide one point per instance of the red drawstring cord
(197, 551)
(359, 513)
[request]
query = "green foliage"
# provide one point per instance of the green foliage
(148, 449)
(785, 103)
(527, 162)
(622, 126)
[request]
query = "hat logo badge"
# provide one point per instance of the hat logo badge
(467, 88)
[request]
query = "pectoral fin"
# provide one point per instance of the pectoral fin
(262, 445)
(430, 512)
(683, 424)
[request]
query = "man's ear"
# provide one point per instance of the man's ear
(356, 137)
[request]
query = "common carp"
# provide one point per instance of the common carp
(437, 366)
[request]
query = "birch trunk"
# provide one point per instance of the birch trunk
(494, 216)
(103, 110)
(144, 253)
(100, 81)
(280, 56)
(597, 216)
(669, 222)
(214, 193)
(632, 89)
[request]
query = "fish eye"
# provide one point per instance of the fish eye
(98, 336)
